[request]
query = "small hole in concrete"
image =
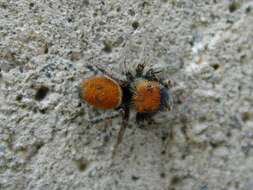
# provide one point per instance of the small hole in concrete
(243, 59)
(70, 19)
(41, 93)
(135, 178)
(38, 145)
(135, 25)
(175, 180)
(215, 66)
(118, 9)
(246, 116)
(107, 46)
(82, 164)
(248, 9)
(233, 6)
(202, 118)
(86, 3)
(31, 5)
(183, 156)
(19, 97)
(131, 12)
(164, 136)
(213, 144)
(42, 111)
(162, 175)
(145, 4)
(228, 134)
(45, 48)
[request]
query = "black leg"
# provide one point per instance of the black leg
(142, 117)
(122, 130)
(167, 83)
(106, 116)
(151, 74)
(129, 76)
(108, 72)
(139, 69)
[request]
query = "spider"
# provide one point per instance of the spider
(143, 92)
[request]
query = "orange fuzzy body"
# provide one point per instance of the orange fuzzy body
(101, 92)
(146, 97)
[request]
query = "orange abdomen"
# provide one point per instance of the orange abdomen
(101, 92)
(146, 97)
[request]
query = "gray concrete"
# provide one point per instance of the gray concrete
(204, 46)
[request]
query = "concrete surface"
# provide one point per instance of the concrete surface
(204, 46)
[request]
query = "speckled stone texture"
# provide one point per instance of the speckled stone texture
(204, 46)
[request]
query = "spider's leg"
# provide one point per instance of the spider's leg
(109, 72)
(139, 69)
(142, 117)
(139, 118)
(168, 83)
(103, 117)
(151, 74)
(124, 69)
(129, 76)
(96, 68)
(121, 132)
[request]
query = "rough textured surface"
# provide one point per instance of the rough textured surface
(204, 46)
